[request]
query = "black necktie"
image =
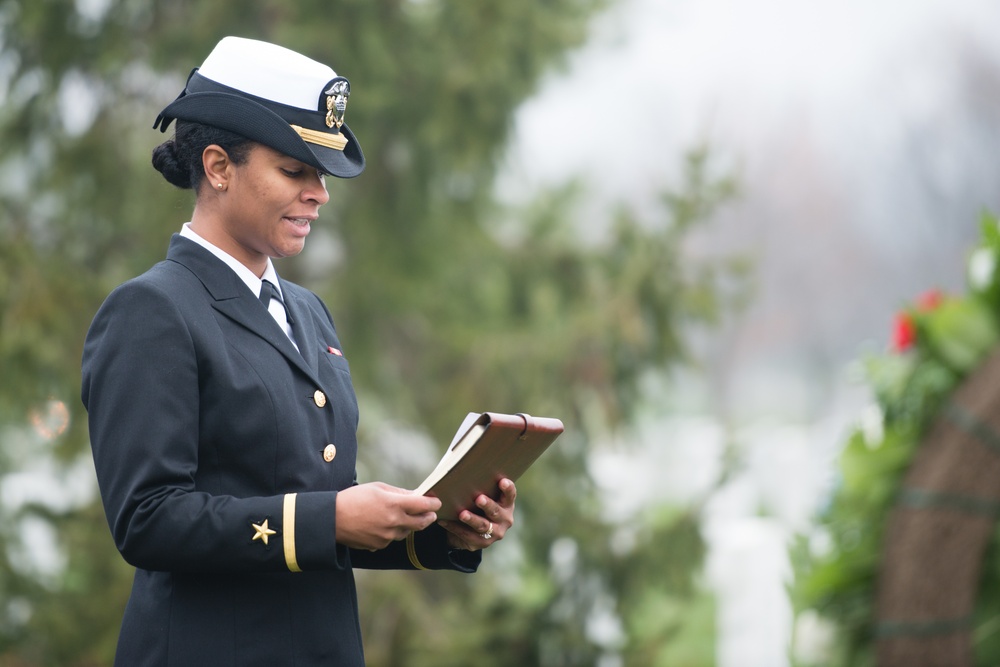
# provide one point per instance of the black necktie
(267, 292)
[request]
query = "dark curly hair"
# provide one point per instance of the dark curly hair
(179, 159)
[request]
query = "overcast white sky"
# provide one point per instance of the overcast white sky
(661, 75)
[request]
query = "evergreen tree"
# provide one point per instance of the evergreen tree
(446, 303)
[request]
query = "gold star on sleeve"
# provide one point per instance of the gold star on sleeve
(263, 532)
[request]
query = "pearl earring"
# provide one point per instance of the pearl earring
(220, 186)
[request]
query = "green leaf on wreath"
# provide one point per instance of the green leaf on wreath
(960, 332)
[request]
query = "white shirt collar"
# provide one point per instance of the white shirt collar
(245, 274)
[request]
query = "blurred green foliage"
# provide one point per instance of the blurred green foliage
(446, 301)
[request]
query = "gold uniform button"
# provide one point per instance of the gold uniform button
(319, 398)
(329, 453)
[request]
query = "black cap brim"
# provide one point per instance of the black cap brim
(256, 122)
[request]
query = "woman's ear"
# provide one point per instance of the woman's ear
(217, 165)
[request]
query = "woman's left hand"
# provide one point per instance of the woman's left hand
(473, 532)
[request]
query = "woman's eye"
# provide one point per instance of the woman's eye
(292, 173)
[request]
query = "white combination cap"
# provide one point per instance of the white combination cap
(276, 97)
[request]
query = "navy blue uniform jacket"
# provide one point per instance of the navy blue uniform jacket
(211, 437)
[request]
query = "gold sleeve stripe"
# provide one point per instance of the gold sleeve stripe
(288, 532)
(335, 141)
(411, 551)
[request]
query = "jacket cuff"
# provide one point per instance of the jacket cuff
(310, 532)
(428, 550)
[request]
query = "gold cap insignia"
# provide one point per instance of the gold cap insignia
(336, 101)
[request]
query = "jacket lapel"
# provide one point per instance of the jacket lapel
(233, 299)
(303, 328)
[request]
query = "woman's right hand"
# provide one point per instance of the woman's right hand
(371, 516)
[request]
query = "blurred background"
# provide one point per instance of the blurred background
(675, 225)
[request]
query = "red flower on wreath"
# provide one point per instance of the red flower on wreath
(904, 328)
(904, 332)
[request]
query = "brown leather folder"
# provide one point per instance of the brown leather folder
(487, 448)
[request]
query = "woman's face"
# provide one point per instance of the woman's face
(269, 204)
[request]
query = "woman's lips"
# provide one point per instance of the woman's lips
(300, 225)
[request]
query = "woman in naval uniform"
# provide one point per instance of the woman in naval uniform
(222, 416)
